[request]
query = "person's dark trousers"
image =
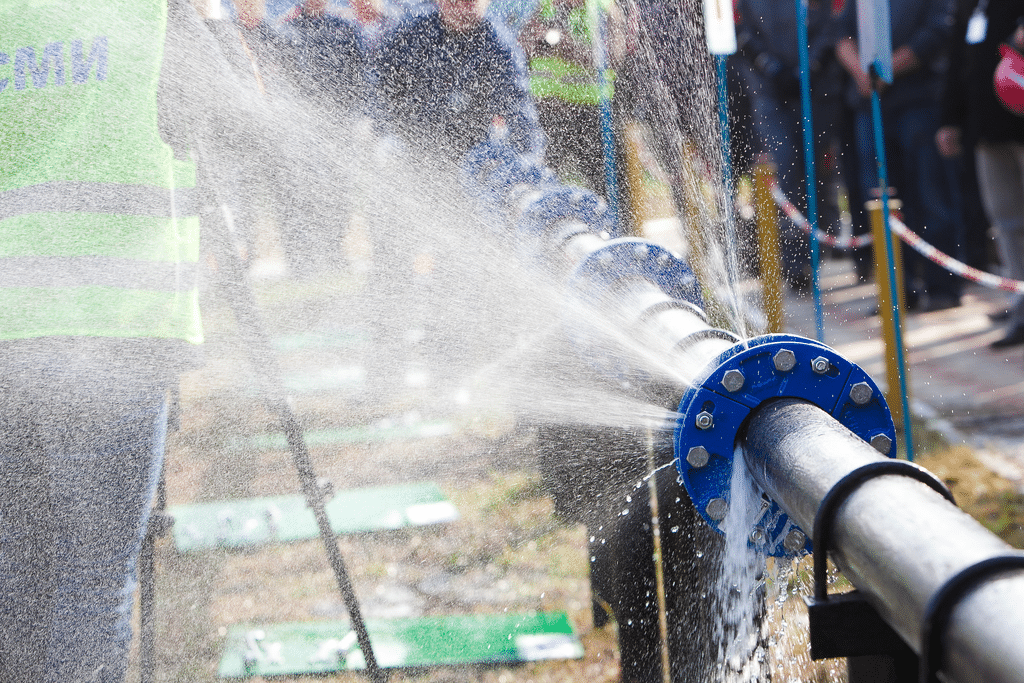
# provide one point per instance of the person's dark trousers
(849, 161)
(976, 245)
(922, 181)
(80, 457)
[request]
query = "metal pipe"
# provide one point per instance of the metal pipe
(895, 539)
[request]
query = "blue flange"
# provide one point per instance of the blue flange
(630, 256)
(730, 388)
(551, 205)
(495, 168)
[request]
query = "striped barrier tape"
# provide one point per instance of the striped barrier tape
(854, 242)
(951, 264)
(908, 236)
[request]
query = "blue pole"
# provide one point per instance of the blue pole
(883, 186)
(611, 177)
(809, 170)
(727, 176)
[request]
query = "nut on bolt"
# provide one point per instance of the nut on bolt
(717, 509)
(795, 540)
(861, 393)
(698, 457)
(820, 365)
(705, 420)
(784, 360)
(881, 443)
(733, 380)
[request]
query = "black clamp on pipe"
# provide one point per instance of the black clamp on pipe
(847, 625)
(941, 605)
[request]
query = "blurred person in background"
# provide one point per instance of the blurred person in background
(448, 76)
(560, 43)
(974, 119)
(767, 40)
(921, 31)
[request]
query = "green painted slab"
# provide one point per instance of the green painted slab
(321, 647)
(282, 519)
(381, 431)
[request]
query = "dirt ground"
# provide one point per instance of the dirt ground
(507, 551)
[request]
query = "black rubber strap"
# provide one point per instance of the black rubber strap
(707, 333)
(941, 605)
(657, 308)
(838, 494)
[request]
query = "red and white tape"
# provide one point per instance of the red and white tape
(853, 242)
(910, 238)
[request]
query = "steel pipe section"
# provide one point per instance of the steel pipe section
(896, 539)
(638, 286)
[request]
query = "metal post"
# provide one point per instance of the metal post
(599, 22)
(888, 311)
(883, 186)
(809, 171)
(769, 251)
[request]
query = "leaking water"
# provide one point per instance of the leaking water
(460, 316)
(741, 584)
(344, 230)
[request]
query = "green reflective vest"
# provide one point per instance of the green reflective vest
(552, 75)
(99, 233)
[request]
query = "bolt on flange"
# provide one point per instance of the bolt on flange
(861, 393)
(705, 420)
(717, 509)
(733, 380)
(698, 457)
(881, 443)
(784, 360)
(795, 540)
(820, 365)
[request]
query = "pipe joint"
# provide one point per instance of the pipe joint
(713, 411)
(623, 258)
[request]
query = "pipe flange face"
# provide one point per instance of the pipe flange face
(772, 366)
(633, 257)
(560, 203)
(486, 158)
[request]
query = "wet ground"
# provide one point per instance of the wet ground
(507, 551)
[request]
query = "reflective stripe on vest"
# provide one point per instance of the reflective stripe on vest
(99, 230)
(68, 197)
(554, 77)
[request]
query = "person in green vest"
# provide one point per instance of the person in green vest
(99, 312)
(566, 84)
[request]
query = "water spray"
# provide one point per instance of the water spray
(814, 431)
